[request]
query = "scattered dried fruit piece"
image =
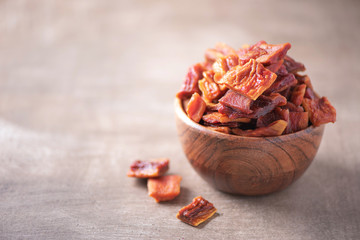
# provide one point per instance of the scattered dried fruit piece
(320, 111)
(196, 212)
(196, 107)
(149, 169)
(164, 188)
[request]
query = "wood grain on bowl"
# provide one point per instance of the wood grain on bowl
(246, 165)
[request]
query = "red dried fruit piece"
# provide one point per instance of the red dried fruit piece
(220, 50)
(293, 66)
(236, 101)
(264, 53)
(274, 129)
(292, 107)
(208, 87)
(297, 94)
(216, 117)
(275, 66)
(260, 107)
(282, 82)
(164, 188)
(212, 107)
(250, 80)
(190, 85)
(297, 121)
(196, 212)
(196, 107)
(266, 104)
(304, 79)
(309, 93)
(149, 169)
(224, 64)
(277, 114)
(320, 111)
(286, 93)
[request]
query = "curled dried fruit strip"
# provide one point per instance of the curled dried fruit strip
(196, 212)
(149, 169)
(196, 107)
(164, 188)
(320, 111)
(250, 80)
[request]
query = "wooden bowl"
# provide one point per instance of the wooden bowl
(246, 165)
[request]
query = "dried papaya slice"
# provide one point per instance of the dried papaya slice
(164, 188)
(196, 212)
(190, 85)
(250, 80)
(196, 107)
(148, 169)
(320, 110)
(274, 129)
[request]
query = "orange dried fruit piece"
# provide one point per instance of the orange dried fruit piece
(149, 169)
(220, 129)
(196, 212)
(196, 107)
(220, 50)
(224, 64)
(250, 80)
(216, 117)
(164, 188)
(320, 110)
(208, 87)
(274, 129)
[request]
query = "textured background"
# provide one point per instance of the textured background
(86, 87)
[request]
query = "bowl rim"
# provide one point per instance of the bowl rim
(180, 112)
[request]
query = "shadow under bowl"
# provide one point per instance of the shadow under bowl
(246, 165)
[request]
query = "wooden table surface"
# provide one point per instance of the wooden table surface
(86, 87)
